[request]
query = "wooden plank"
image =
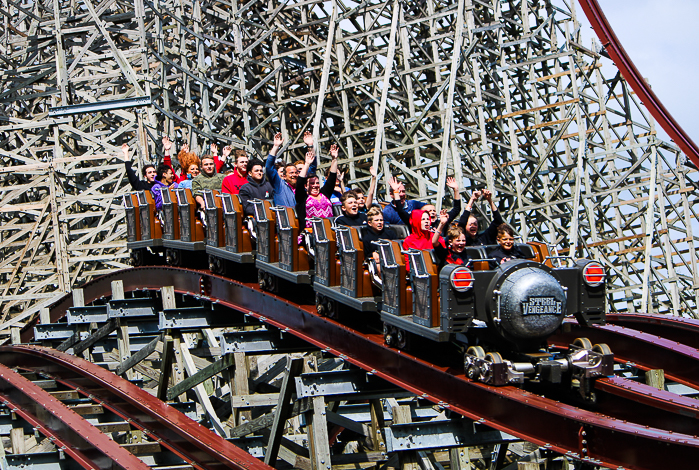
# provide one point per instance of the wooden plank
(283, 408)
(142, 353)
(166, 359)
(204, 374)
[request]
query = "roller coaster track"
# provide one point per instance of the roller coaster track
(165, 428)
(621, 59)
(614, 433)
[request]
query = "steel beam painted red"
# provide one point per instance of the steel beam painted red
(82, 441)
(628, 70)
(201, 447)
(678, 329)
(590, 436)
(644, 350)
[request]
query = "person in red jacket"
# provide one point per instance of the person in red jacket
(167, 159)
(233, 182)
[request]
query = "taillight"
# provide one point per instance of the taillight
(593, 274)
(461, 279)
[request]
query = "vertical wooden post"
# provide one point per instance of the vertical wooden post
(377, 425)
(123, 342)
(17, 440)
(318, 435)
(240, 386)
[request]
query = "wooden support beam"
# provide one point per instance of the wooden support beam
(282, 412)
(99, 334)
(317, 427)
(204, 374)
(267, 420)
(166, 360)
(142, 353)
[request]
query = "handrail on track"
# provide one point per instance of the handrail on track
(628, 70)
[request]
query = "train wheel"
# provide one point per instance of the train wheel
(137, 257)
(476, 351)
(402, 339)
(584, 343)
(493, 357)
(215, 264)
(389, 335)
(172, 257)
(602, 348)
(332, 307)
(320, 305)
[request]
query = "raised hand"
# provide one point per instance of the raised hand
(340, 176)
(310, 156)
(125, 150)
(372, 171)
(308, 138)
(475, 196)
(167, 145)
(443, 217)
(452, 183)
(394, 184)
(214, 149)
(487, 195)
(278, 139)
(334, 152)
(227, 150)
(185, 148)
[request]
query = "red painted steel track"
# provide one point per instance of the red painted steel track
(196, 444)
(596, 437)
(681, 330)
(631, 74)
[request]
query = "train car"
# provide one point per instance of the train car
(500, 317)
(144, 233)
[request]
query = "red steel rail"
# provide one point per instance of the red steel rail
(590, 436)
(628, 70)
(681, 330)
(69, 431)
(197, 445)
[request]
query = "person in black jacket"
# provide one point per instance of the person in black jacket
(507, 249)
(311, 199)
(149, 173)
(350, 208)
(470, 224)
(375, 232)
(257, 186)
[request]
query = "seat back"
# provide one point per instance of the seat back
(171, 221)
(191, 228)
(395, 297)
(541, 253)
(353, 281)
(423, 280)
(266, 219)
(133, 221)
(327, 271)
(402, 231)
(477, 253)
(237, 236)
(527, 250)
(150, 227)
(292, 256)
(215, 233)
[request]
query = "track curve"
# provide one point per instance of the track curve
(628, 70)
(593, 437)
(194, 443)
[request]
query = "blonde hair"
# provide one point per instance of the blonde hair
(373, 212)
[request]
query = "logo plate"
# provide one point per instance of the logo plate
(542, 306)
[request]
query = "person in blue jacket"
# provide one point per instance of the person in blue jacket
(285, 187)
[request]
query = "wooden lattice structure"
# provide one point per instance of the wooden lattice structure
(503, 92)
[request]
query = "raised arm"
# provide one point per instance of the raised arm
(397, 203)
(372, 188)
(453, 184)
(310, 158)
(167, 152)
(329, 186)
(463, 220)
(272, 175)
(130, 174)
(443, 222)
(308, 140)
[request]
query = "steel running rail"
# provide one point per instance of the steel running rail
(628, 70)
(578, 433)
(86, 444)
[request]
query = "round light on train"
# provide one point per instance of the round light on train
(461, 279)
(593, 274)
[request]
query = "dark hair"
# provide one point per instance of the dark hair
(505, 229)
(145, 168)
(346, 195)
(255, 162)
(162, 169)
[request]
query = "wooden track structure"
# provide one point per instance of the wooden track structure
(503, 92)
